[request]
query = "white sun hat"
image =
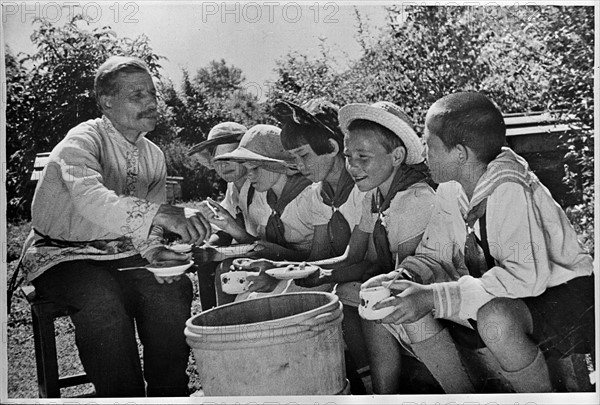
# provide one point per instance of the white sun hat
(262, 146)
(390, 116)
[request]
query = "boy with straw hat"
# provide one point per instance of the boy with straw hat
(513, 273)
(384, 155)
(311, 133)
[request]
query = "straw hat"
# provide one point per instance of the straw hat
(261, 144)
(390, 116)
(223, 133)
(317, 112)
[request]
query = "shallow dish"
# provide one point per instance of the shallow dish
(291, 272)
(171, 270)
(180, 247)
(235, 250)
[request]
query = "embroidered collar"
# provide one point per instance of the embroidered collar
(114, 132)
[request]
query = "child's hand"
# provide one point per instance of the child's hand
(261, 282)
(412, 303)
(315, 279)
(378, 280)
(256, 265)
(217, 215)
(268, 250)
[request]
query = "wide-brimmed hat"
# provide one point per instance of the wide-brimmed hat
(317, 112)
(261, 144)
(220, 134)
(390, 116)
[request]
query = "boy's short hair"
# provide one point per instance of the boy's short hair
(294, 135)
(469, 119)
(388, 139)
(106, 75)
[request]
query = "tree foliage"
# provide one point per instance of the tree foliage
(51, 91)
(525, 58)
(55, 93)
(216, 93)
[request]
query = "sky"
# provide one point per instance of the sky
(248, 35)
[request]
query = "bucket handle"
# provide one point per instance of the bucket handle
(319, 320)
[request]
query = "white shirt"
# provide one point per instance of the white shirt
(100, 190)
(530, 237)
(351, 209)
(300, 217)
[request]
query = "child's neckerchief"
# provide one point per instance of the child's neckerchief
(274, 231)
(406, 176)
(507, 167)
(338, 229)
(239, 214)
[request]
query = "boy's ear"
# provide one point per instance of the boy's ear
(398, 156)
(462, 153)
(334, 146)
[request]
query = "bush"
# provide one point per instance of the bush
(198, 182)
(45, 101)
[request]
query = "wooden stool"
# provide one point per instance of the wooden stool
(43, 314)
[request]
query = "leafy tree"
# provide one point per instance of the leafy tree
(56, 93)
(570, 42)
(301, 78)
(216, 93)
(532, 58)
(18, 103)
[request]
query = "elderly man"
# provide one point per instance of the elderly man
(103, 190)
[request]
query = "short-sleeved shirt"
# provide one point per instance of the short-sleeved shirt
(351, 209)
(407, 217)
(299, 218)
(237, 201)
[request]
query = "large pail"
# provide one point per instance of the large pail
(289, 344)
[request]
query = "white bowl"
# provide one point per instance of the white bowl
(170, 271)
(235, 250)
(180, 247)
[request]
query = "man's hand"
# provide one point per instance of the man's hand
(413, 303)
(163, 255)
(189, 224)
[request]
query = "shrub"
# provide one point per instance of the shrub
(198, 182)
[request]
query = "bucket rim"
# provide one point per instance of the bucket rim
(223, 328)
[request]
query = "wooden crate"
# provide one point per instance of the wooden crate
(536, 137)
